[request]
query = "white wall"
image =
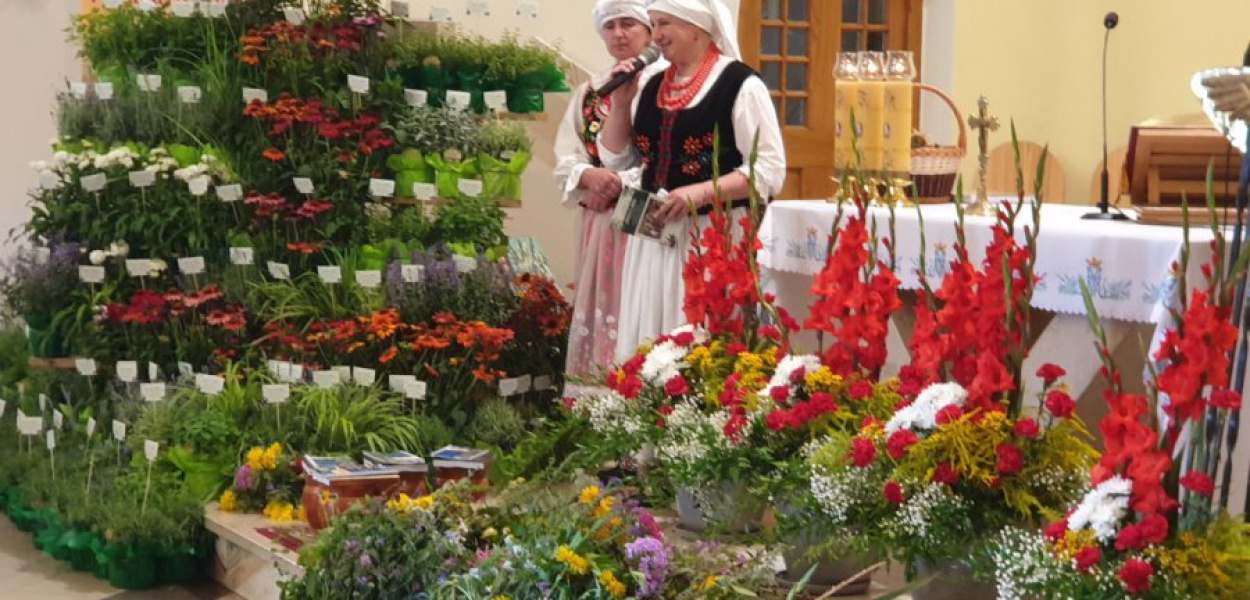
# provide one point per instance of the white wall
(34, 65)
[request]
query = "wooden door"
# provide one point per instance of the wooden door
(793, 44)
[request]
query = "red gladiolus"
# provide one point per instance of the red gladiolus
(1136, 575)
(1027, 428)
(899, 442)
(1010, 459)
(1088, 558)
(1199, 483)
(1050, 373)
(1226, 400)
(676, 386)
(863, 452)
(1060, 404)
(893, 492)
(946, 473)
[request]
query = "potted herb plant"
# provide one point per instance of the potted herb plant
(503, 154)
(40, 282)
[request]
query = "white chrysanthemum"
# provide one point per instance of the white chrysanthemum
(922, 414)
(786, 368)
(663, 362)
(1103, 508)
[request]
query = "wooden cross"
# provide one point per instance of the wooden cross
(983, 123)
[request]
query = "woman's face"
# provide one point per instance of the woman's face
(679, 41)
(625, 37)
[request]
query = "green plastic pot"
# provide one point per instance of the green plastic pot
(43, 341)
(178, 566)
(132, 568)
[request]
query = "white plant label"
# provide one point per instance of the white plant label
(250, 94)
(294, 15)
(415, 98)
(330, 274)
(210, 384)
(399, 9)
(146, 5)
(86, 367)
(51, 440)
(58, 419)
(138, 267)
(440, 13)
(3, 405)
(112, 3)
(119, 430)
(78, 89)
(154, 372)
(424, 191)
(152, 392)
(185, 369)
(49, 180)
(399, 383)
(496, 100)
(198, 185)
(42, 255)
(382, 188)
(91, 273)
(127, 370)
(279, 271)
(464, 264)
(190, 94)
(242, 256)
(94, 182)
(214, 10)
(91, 425)
(150, 449)
(142, 179)
(527, 9)
(325, 379)
(149, 82)
(510, 386)
(477, 9)
(411, 273)
(469, 187)
(191, 265)
(104, 90)
(369, 279)
(182, 8)
(277, 393)
(43, 403)
(304, 185)
(415, 390)
(458, 100)
(364, 377)
(542, 383)
(230, 193)
(358, 84)
(29, 425)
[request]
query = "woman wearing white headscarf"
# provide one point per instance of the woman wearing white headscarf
(674, 111)
(592, 189)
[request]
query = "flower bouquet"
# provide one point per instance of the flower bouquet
(268, 480)
(1151, 526)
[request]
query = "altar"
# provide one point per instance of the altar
(1128, 268)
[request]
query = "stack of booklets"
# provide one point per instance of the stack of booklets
(459, 457)
(328, 470)
(399, 461)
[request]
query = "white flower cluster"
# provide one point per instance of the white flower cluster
(699, 333)
(610, 414)
(1020, 563)
(786, 369)
(689, 434)
(123, 157)
(922, 414)
(836, 493)
(1103, 508)
(664, 361)
(915, 517)
(115, 250)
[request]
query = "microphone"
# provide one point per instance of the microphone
(1109, 22)
(651, 55)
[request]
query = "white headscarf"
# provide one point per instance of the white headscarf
(711, 16)
(606, 11)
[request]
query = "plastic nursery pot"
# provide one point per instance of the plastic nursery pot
(44, 343)
(132, 567)
(82, 547)
(178, 566)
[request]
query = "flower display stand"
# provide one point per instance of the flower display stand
(247, 562)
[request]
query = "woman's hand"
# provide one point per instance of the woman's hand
(624, 95)
(683, 200)
(602, 188)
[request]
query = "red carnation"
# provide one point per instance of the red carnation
(1136, 575)
(863, 451)
(1060, 404)
(1027, 428)
(1050, 373)
(633, 365)
(946, 473)
(676, 386)
(893, 492)
(1226, 399)
(1010, 459)
(899, 442)
(949, 414)
(1055, 531)
(1087, 558)
(1198, 483)
(684, 338)
(1151, 530)
(630, 387)
(735, 348)
(780, 393)
(860, 390)
(570, 402)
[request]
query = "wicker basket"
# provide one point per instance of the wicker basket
(934, 169)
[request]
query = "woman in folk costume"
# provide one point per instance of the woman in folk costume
(675, 110)
(592, 189)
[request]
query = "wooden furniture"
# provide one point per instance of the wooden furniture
(1117, 179)
(1169, 158)
(1002, 172)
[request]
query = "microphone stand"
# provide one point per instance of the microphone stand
(1104, 203)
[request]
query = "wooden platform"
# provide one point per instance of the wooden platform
(247, 562)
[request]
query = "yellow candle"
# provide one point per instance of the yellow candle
(844, 92)
(871, 106)
(896, 132)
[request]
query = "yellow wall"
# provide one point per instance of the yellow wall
(1038, 61)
